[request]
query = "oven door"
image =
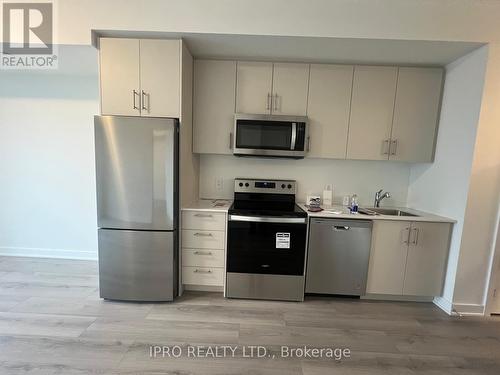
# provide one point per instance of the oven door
(262, 135)
(266, 245)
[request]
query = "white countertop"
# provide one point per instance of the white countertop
(218, 205)
(345, 214)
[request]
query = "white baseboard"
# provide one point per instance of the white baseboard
(48, 253)
(444, 304)
(396, 298)
(468, 309)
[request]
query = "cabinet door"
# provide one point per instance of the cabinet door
(214, 105)
(253, 87)
(119, 73)
(160, 77)
(290, 85)
(372, 107)
(427, 256)
(389, 250)
(328, 107)
(416, 112)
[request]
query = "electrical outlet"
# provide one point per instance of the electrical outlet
(219, 183)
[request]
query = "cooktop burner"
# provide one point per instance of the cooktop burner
(254, 197)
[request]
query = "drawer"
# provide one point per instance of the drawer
(203, 239)
(203, 257)
(203, 276)
(203, 220)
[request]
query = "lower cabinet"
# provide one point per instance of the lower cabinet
(203, 242)
(408, 258)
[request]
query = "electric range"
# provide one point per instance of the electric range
(266, 248)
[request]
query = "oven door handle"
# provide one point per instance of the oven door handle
(267, 219)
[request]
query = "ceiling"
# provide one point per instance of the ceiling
(313, 49)
(82, 60)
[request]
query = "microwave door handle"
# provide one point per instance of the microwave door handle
(294, 136)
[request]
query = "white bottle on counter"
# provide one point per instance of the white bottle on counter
(328, 196)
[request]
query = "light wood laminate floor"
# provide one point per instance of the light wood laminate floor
(52, 321)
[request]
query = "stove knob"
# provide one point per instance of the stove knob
(247, 184)
(282, 186)
(289, 186)
(241, 184)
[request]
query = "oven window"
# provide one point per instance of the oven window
(264, 135)
(266, 248)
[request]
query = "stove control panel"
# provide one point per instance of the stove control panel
(247, 185)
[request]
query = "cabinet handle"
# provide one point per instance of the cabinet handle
(385, 147)
(406, 236)
(275, 102)
(416, 231)
(203, 252)
(308, 143)
(134, 93)
(203, 215)
(231, 140)
(143, 100)
(203, 234)
(394, 146)
(202, 271)
(268, 106)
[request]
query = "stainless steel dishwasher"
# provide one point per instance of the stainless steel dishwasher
(338, 255)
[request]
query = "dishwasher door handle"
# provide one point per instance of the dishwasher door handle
(341, 227)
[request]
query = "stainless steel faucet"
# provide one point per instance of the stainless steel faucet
(379, 196)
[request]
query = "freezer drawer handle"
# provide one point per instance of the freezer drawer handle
(341, 227)
(202, 271)
(203, 234)
(203, 252)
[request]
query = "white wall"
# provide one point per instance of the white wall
(467, 20)
(347, 176)
(441, 187)
(47, 183)
(483, 196)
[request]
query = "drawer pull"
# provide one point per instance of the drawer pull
(203, 252)
(203, 215)
(203, 234)
(202, 271)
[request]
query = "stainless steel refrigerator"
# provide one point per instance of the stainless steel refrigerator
(137, 207)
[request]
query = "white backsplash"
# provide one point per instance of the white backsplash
(347, 176)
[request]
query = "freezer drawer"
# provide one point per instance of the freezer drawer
(137, 265)
(338, 256)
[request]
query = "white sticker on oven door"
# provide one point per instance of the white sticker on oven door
(282, 240)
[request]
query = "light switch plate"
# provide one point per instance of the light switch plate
(219, 183)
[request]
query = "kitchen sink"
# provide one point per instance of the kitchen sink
(384, 211)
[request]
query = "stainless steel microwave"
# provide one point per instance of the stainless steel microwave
(270, 136)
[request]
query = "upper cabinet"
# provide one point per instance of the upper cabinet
(119, 71)
(394, 113)
(290, 86)
(267, 88)
(254, 87)
(160, 77)
(213, 106)
(416, 112)
(372, 107)
(354, 112)
(140, 77)
(328, 107)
